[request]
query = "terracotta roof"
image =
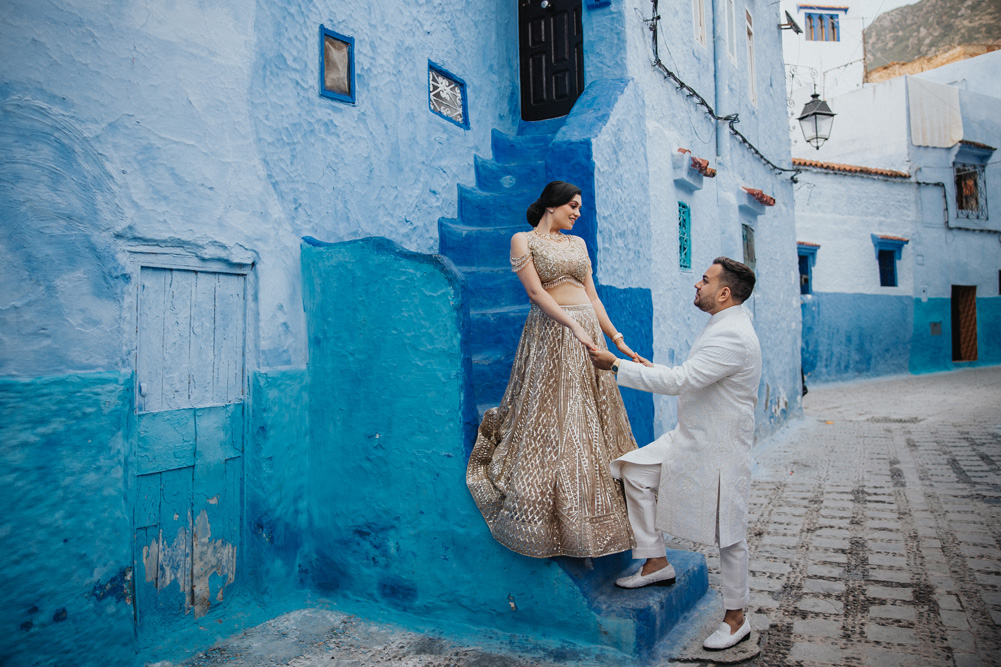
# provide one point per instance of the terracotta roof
(976, 144)
(893, 238)
(762, 198)
(841, 7)
(807, 243)
(849, 168)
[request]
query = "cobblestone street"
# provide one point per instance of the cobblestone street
(876, 532)
(875, 540)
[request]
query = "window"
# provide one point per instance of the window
(747, 234)
(807, 258)
(751, 78)
(447, 95)
(888, 251)
(887, 269)
(337, 66)
(699, 20)
(684, 236)
(971, 191)
(731, 30)
(822, 27)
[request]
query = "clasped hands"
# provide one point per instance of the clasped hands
(603, 359)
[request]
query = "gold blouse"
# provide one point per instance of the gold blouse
(556, 263)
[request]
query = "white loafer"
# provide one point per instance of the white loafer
(663, 577)
(723, 638)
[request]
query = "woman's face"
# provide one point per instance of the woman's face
(564, 216)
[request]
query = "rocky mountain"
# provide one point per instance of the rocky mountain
(926, 30)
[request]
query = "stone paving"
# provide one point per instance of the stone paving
(875, 538)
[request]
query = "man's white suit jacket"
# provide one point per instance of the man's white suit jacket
(708, 455)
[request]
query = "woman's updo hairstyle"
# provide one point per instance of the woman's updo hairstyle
(557, 193)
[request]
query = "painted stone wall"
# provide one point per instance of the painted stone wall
(852, 326)
(719, 206)
(67, 547)
(194, 134)
(395, 532)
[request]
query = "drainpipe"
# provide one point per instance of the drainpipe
(717, 35)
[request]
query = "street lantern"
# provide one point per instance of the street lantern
(816, 120)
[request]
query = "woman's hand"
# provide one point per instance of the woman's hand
(624, 349)
(581, 335)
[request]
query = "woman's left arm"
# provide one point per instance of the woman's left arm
(606, 324)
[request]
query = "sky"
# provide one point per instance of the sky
(873, 8)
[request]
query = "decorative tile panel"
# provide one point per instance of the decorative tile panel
(447, 95)
(684, 236)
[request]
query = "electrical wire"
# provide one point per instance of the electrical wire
(731, 119)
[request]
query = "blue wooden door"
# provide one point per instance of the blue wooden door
(190, 379)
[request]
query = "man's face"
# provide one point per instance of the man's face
(707, 289)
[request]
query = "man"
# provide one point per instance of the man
(694, 482)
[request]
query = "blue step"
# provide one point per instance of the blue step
(475, 246)
(497, 329)
(493, 287)
(521, 178)
(490, 375)
(645, 617)
(493, 209)
(520, 148)
(551, 126)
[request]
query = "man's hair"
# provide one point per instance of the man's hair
(737, 276)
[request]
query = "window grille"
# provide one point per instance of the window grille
(971, 191)
(747, 234)
(887, 268)
(684, 236)
(447, 95)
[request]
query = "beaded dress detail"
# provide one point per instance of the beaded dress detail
(539, 471)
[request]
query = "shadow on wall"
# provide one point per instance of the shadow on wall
(61, 287)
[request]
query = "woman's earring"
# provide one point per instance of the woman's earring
(550, 210)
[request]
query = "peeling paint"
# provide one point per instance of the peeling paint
(210, 556)
(191, 560)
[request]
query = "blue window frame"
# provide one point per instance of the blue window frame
(337, 66)
(888, 250)
(807, 258)
(684, 235)
(822, 27)
(447, 95)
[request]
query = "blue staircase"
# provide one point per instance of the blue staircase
(478, 243)
(644, 624)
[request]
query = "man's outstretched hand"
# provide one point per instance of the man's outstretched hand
(602, 359)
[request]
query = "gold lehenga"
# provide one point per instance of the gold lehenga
(539, 471)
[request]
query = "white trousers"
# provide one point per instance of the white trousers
(641, 483)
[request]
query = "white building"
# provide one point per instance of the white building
(900, 252)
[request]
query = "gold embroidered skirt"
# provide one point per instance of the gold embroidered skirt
(539, 471)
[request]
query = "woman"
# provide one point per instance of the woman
(539, 469)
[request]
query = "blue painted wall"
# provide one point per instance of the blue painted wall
(196, 131)
(67, 545)
(934, 353)
(855, 335)
(391, 519)
(848, 336)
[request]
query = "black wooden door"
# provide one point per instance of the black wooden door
(551, 44)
